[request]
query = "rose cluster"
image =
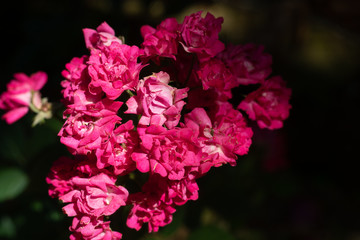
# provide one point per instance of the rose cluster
(144, 123)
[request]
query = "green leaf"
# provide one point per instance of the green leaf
(210, 233)
(7, 227)
(12, 183)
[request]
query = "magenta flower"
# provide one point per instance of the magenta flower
(214, 74)
(147, 209)
(114, 69)
(86, 227)
(59, 177)
(157, 101)
(104, 35)
(268, 105)
(162, 41)
(169, 153)
(95, 196)
(22, 92)
(117, 149)
(222, 140)
(83, 134)
(200, 35)
(77, 79)
(247, 62)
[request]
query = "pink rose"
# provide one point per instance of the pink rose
(214, 74)
(117, 150)
(162, 41)
(179, 192)
(22, 92)
(200, 35)
(222, 139)
(77, 79)
(95, 196)
(247, 62)
(86, 227)
(59, 177)
(104, 35)
(268, 105)
(147, 209)
(169, 153)
(114, 69)
(157, 101)
(83, 134)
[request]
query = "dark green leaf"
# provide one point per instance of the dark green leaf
(12, 183)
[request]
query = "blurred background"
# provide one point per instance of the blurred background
(300, 182)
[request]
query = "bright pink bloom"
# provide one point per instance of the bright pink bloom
(157, 101)
(162, 41)
(179, 192)
(64, 169)
(104, 35)
(200, 35)
(95, 196)
(116, 151)
(59, 177)
(171, 192)
(221, 140)
(247, 62)
(169, 153)
(232, 133)
(86, 227)
(268, 105)
(21, 92)
(214, 74)
(114, 69)
(83, 134)
(147, 209)
(76, 83)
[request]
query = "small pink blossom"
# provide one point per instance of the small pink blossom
(85, 227)
(59, 177)
(162, 41)
(147, 209)
(75, 86)
(268, 105)
(116, 151)
(104, 35)
(214, 74)
(169, 153)
(247, 62)
(114, 69)
(95, 196)
(83, 134)
(21, 92)
(157, 101)
(223, 139)
(180, 191)
(200, 35)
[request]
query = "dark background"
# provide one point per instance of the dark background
(300, 182)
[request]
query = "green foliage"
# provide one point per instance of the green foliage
(13, 182)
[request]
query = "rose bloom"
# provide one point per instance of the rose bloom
(162, 41)
(86, 227)
(214, 74)
(247, 62)
(268, 105)
(104, 35)
(157, 101)
(21, 92)
(114, 69)
(200, 35)
(95, 196)
(149, 209)
(169, 153)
